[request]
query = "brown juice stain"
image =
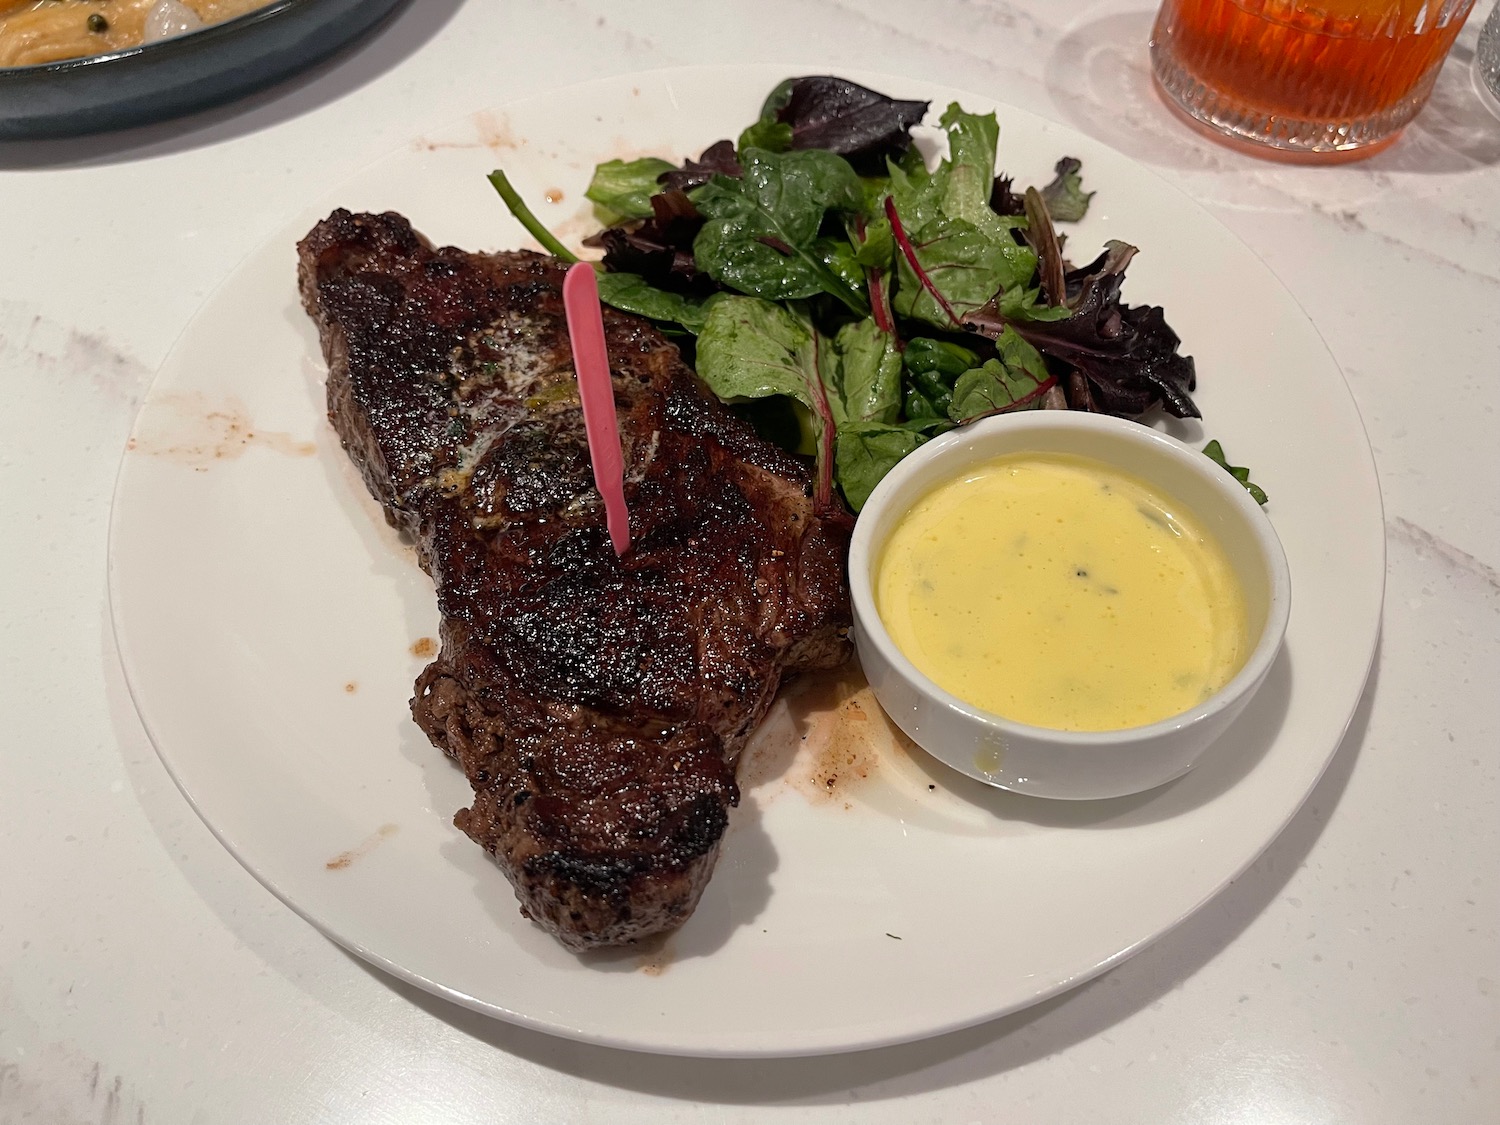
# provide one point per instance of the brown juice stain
(363, 848)
(844, 752)
(656, 955)
(553, 195)
(424, 647)
(351, 687)
(197, 432)
(827, 738)
(495, 131)
(573, 230)
(492, 131)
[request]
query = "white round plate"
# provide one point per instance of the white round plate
(267, 618)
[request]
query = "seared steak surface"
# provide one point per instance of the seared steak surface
(596, 704)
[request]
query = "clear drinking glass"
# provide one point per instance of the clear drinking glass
(1317, 81)
(1487, 61)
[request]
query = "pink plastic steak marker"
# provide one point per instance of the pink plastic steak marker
(591, 361)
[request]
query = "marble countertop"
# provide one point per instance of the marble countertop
(1349, 975)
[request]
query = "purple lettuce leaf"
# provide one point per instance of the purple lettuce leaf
(1126, 355)
(718, 159)
(861, 125)
(659, 249)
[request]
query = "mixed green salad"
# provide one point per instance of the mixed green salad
(854, 303)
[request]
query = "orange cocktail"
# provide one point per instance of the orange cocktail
(1309, 79)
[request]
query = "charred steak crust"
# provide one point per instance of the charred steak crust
(597, 705)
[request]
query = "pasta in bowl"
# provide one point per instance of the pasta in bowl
(44, 31)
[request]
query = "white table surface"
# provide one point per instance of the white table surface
(1349, 976)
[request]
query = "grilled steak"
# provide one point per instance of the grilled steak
(597, 705)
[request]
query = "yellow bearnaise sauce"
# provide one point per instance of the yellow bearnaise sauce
(1061, 592)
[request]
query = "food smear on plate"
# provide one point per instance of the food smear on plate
(1062, 592)
(42, 31)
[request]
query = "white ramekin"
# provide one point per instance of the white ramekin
(1052, 763)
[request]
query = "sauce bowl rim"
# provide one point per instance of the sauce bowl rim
(863, 555)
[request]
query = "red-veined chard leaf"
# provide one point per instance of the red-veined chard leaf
(750, 349)
(956, 253)
(875, 250)
(1016, 379)
(950, 268)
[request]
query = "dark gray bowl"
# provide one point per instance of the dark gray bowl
(176, 76)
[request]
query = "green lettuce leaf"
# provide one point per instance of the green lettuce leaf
(1066, 200)
(1026, 304)
(762, 229)
(632, 293)
(840, 258)
(916, 192)
(749, 348)
(932, 366)
(865, 380)
(623, 189)
(969, 172)
(866, 451)
(1215, 453)
(877, 246)
(768, 134)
